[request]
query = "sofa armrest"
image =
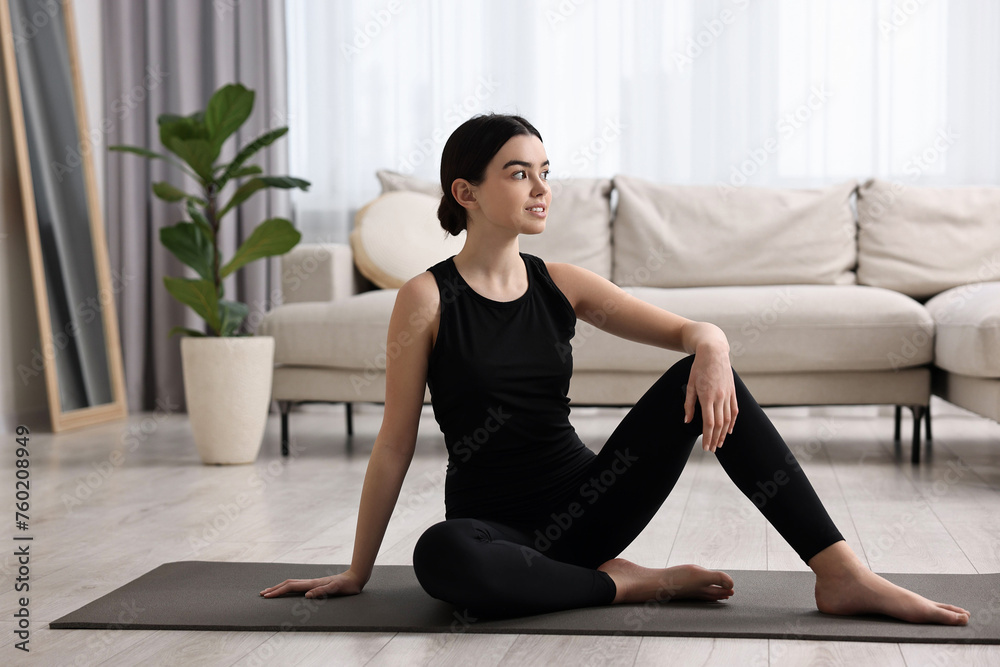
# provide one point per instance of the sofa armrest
(319, 272)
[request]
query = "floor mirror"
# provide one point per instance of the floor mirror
(74, 295)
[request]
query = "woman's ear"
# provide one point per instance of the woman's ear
(464, 194)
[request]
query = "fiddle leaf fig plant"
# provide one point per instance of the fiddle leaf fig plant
(195, 142)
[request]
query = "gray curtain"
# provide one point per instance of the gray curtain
(169, 56)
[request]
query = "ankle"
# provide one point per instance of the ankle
(837, 561)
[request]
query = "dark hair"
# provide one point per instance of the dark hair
(466, 154)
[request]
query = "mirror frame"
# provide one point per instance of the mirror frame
(117, 409)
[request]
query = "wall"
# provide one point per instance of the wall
(23, 397)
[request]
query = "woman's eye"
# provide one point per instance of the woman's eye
(545, 175)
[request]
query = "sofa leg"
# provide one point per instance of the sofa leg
(350, 418)
(918, 411)
(285, 407)
(899, 419)
(927, 435)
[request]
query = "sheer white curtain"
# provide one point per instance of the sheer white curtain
(726, 92)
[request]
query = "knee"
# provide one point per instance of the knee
(432, 548)
(438, 555)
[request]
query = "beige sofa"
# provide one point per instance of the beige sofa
(852, 294)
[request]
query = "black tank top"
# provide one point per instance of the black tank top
(499, 375)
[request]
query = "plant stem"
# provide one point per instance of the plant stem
(210, 195)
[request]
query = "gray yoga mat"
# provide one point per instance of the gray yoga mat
(208, 595)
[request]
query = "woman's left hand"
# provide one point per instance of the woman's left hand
(711, 382)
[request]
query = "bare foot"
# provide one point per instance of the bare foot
(845, 586)
(636, 583)
(867, 593)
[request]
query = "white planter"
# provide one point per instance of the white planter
(227, 384)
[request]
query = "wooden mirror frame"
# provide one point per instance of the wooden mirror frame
(117, 409)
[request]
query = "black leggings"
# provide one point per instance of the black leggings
(491, 569)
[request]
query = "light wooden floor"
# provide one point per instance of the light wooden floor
(99, 524)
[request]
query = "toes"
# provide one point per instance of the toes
(948, 616)
(723, 579)
(957, 618)
(954, 615)
(716, 594)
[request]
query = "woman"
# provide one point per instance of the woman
(535, 519)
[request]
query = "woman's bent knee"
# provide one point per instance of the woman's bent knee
(431, 553)
(441, 555)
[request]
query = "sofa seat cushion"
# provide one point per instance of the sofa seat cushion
(779, 328)
(349, 333)
(967, 324)
(770, 329)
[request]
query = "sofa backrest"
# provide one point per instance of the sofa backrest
(916, 240)
(921, 240)
(699, 235)
(578, 227)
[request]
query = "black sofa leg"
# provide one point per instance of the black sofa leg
(899, 419)
(927, 435)
(918, 412)
(350, 418)
(285, 407)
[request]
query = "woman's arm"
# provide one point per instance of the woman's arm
(600, 302)
(387, 468)
(608, 307)
(408, 347)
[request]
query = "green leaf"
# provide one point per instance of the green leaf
(200, 295)
(144, 152)
(189, 332)
(200, 219)
(229, 108)
(191, 246)
(168, 192)
(184, 128)
(254, 184)
(275, 236)
(241, 195)
(249, 170)
(232, 314)
(286, 182)
(247, 151)
(198, 153)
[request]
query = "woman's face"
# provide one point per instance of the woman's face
(516, 182)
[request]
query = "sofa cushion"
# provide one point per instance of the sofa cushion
(350, 333)
(398, 235)
(967, 327)
(578, 228)
(780, 328)
(392, 181)
(922, 241)
(770, 329)
(691, 235)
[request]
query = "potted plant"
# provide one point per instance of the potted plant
(227, 374)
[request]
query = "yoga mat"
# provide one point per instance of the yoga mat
(209, 595)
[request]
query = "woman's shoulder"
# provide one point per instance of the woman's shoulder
(565, 277)
(420, 290)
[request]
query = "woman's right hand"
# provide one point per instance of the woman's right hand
(345, 583)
